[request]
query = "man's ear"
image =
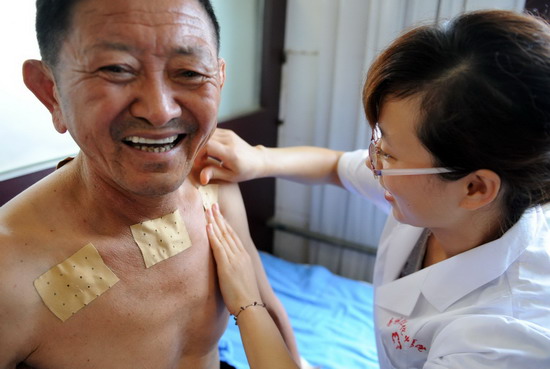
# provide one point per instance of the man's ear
(40, 80)
(221, 63)
(482, 188)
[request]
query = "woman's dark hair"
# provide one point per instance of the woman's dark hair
(483, 80)
(53, 21)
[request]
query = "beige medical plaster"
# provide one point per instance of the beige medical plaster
(209, 195)
(69, 286)
(161, 238)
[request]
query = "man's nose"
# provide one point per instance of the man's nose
(156, 102)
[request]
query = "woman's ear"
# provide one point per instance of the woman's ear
(40, 80)
(482, 188)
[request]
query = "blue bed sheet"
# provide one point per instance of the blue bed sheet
(331, 317)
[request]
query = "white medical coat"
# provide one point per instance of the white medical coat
(488, 307)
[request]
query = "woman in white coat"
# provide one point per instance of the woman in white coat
(460, 115)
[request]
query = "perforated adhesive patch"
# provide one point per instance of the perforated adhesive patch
(161, 238)
(69, 286)
(209, 195)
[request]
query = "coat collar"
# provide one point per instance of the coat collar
(397, 242)
(444, 283)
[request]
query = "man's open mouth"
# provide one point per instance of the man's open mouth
(153, 145)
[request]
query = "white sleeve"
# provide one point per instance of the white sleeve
(357, 178)
(490, 341)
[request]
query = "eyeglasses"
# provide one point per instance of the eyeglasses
(374, 161)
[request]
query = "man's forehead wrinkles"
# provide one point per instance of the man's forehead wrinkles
(192, 50)
(187, 50)
(151, 18)
(108, 45)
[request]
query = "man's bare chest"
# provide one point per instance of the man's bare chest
(155, 316)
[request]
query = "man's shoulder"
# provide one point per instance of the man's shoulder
(31, 226)
(42, 200)
(19, 267)
(19, 252)
(229, 191)
(25, 230)
(40, 195)
(22, 223)
(20, 305)
(224, 193)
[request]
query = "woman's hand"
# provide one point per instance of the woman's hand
(231, 159)
(227, 157)
(236, 274)
(264, 346)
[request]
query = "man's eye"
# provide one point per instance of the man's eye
(113, 69)
(189, 74)
(116, 73)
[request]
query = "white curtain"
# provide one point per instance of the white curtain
(329, 47)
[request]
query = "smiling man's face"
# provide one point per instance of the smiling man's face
(138, 86)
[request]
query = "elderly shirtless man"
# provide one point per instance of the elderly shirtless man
(137, 85)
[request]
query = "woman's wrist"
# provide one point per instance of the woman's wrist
(255, 304)
(264, 167)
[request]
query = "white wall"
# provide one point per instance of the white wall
(329, 46)
(241, 25)
(28, 141)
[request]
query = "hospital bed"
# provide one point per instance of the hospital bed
(331, 317)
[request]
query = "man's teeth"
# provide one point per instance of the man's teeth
(154, 149)
(152, 145)
(150, 141)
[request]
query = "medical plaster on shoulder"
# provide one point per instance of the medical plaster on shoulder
(209, 195)
(74, 283)
(161, 238)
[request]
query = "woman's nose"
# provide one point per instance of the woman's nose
(156, 102)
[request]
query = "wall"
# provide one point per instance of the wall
(28, 141)
(329, 47)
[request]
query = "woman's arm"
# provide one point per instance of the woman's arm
(237, 161)
(263, 343)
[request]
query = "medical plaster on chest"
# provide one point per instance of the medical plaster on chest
(76, 282)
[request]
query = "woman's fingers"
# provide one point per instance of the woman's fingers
(222, 158)
(222, 238)
(216, 244)
(239, 160)
(236, 272)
